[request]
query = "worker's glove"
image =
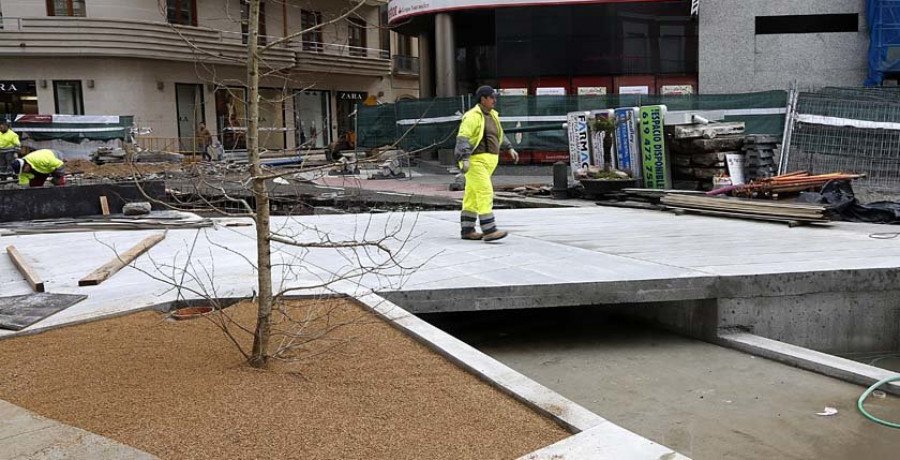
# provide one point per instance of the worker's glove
(465, 166)
(515, 155)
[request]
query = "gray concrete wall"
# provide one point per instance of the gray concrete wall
(733, 59)
(831, 322)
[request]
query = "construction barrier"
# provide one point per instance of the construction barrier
(427, 123)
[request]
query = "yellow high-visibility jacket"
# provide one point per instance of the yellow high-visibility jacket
(9, 139)
(43, 161)
(471, 131)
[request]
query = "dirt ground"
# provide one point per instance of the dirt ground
(91, 170)
(181, 390)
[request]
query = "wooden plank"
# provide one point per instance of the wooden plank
(104, 205)
(736, 215)
(110, 268)
(25, 269)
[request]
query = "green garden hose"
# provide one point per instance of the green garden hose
(865, 395)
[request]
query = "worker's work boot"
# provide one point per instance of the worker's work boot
(474, 236)
(494, 236)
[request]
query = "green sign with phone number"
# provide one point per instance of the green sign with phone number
(653, 147)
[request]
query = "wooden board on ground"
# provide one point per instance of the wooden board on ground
(37, 284)
(110, 268)
(737, 215)
(104, 205)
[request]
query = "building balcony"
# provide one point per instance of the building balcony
(406, 65)
(90, 37)
(333, 58)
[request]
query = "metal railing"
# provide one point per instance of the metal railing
(406, 64)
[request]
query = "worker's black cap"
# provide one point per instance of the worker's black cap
(485, 91)
(4, 121)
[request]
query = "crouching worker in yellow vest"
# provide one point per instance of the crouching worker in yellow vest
(37, 166)
(478, 147)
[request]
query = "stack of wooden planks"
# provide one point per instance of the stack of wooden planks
(794, 214)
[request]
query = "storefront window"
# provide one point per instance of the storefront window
(271, 119)
(18, 97)
(312, 119)
(231, 117)
(347, 102)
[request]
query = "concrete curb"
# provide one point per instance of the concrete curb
(595, 438)
(804, 358)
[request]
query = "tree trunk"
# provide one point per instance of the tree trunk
(259, 355)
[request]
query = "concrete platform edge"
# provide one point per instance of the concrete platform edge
(804, 358)
(604, 439)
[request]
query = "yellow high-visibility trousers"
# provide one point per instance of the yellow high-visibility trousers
(478, 199)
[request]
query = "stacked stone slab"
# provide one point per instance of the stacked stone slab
(761, 152)
(699, 152)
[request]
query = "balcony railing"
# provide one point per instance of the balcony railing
(63, 36)
(408, 65)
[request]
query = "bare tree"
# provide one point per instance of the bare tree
(367, 250)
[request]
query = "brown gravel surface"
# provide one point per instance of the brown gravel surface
(180, 390)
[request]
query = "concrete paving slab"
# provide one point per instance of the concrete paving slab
(555, 257)
(26, 435)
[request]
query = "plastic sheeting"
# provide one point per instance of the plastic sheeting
(838, 196)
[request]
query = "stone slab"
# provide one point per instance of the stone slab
(554, 257)
(810, 360)
(26, 435)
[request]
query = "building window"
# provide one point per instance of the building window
(385, 34)
(65, 8)
(404, 45)
(245, 21)
(272, 135)
(182, 12)
(68, 97)
(357, 37)
(807, 24)
(312, 40)
(231, 117)
(312, 119)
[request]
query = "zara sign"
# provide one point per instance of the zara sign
(16, 87)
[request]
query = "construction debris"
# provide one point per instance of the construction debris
(156, 220)
(137, 209)
(800, 181)
(701, 153)
(761, 151)
(707, 131)
(106, 155)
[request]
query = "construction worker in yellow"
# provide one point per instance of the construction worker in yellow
(37, 166)
(478, 147)
(9, 146)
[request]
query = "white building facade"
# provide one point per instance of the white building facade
(173, 64)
